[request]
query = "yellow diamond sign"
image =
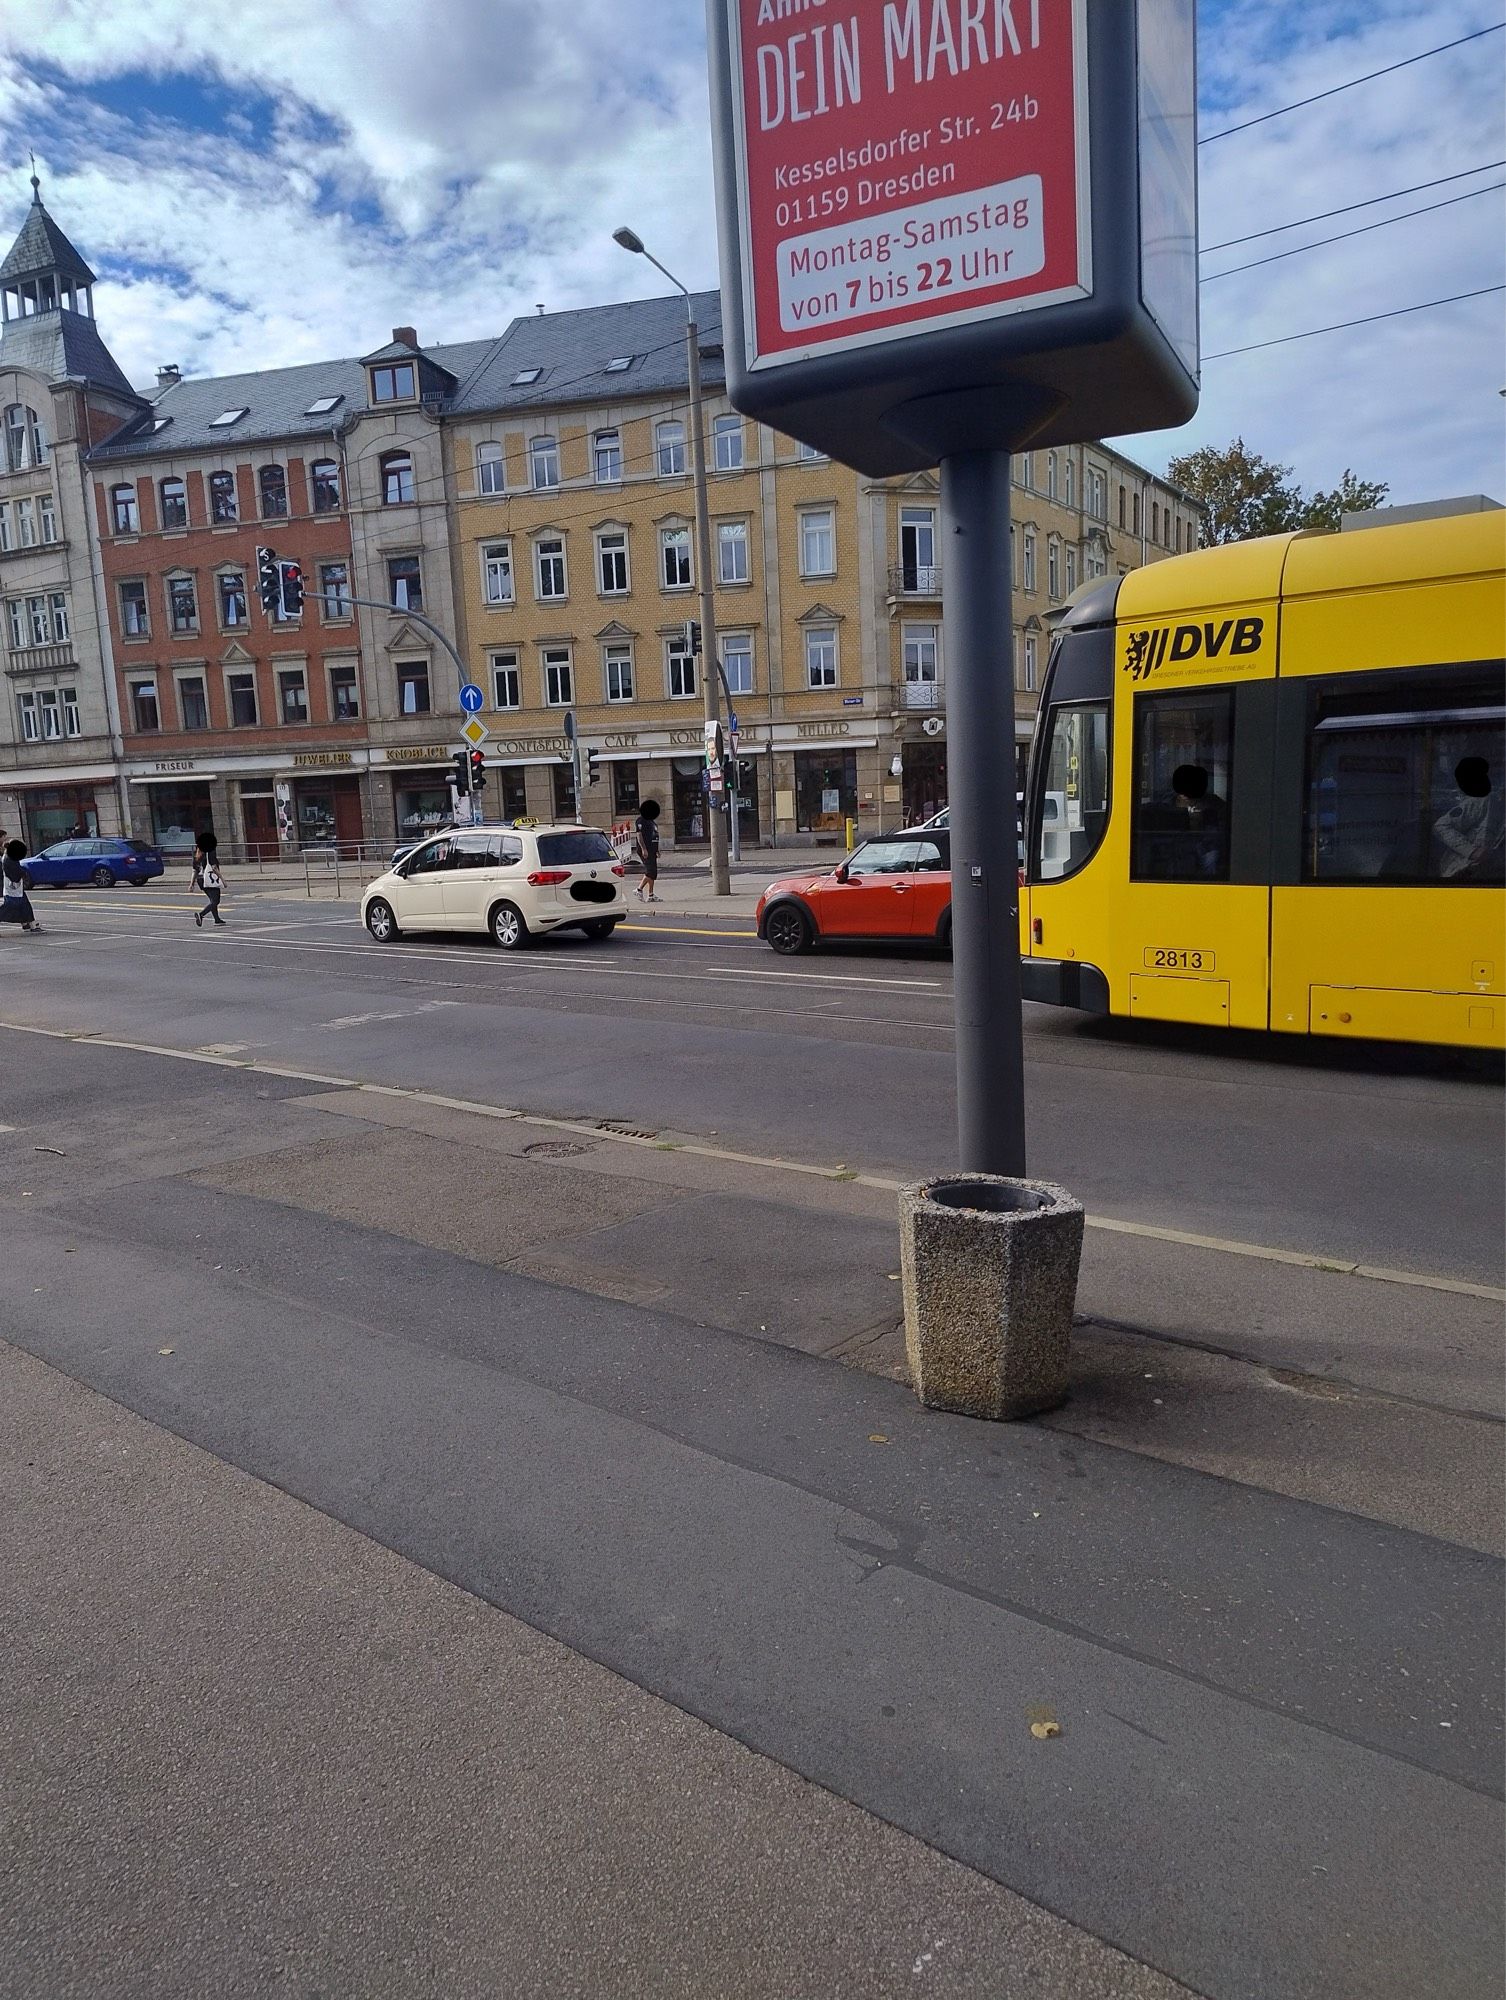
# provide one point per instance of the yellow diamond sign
(474, 732)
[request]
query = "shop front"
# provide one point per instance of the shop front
(327, 812)
(924, 779)
(178, 811)
(688, 779)
(258, 802)
(52, 812)
(826, 790)
(422, 799)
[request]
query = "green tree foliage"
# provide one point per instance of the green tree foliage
(1243, 494)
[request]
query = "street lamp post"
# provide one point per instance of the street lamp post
(721, 881)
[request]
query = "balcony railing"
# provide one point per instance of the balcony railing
(40, 660)
(922, 694)
(907, 579)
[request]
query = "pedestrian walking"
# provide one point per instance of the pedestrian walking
(646, 841)
(15, 904)
(207, 876)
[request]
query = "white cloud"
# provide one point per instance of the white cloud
(452, 165)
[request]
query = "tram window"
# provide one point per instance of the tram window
(1407, 790)
(1075, 803)
(1183, 770)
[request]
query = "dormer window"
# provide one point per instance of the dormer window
(228, 417)
(394, 384)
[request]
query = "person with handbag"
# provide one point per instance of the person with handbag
(207, 876)
(15, 904)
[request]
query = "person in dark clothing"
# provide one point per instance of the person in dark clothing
(646, 840)
(207, 876)
(15, 904)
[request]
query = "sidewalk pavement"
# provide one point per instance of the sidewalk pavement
(369, 1576)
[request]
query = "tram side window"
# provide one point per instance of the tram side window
(1407, 783)
(1075, 801)
(1183, 773)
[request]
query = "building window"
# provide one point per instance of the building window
(612, 562)
(193, 702)
(727, 443)
(174, 504)
(413, 687)
(1097, 493)
(182, 604)
(625, 797)
(47, 515)
(72, 725)
(917, 551)
(344, 694)
(145, 715)
(31, 728)
(223, 506)
(1030, 646)
(62, 629)
(669, 448)
(392, 385)
(232, 597)
(496, 572)
(1024, 469)
(1071, 559)
(550, 580)
(607, 457)
(922, 655)
(821, 657)
(397, 479)
(324, 486)
(1135, 513)
(1053, 569)
(818, 548)
(507, 683)
(5, 540)
(241, 689)
(25, 444)
(563, 782)
(405, 584)
(134, 621)
(273, 484)
(491, 469)
(1067, 481)
(1155, 520)
(1027, 569)
(543, 463)
(37, 627)
(732, 552)
(52, 721)
(559, 682)
(26, 523)
(808, 454)
(737, 662)
(124, 519)
(1050, 475)
(679, 668)
(617, 668)
(674, 549)
(334, 590)
(1121, 506)
(293, 695)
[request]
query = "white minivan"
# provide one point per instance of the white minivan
(517, 882)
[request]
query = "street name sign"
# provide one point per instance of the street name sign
(986, 201)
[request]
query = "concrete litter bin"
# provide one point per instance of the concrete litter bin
(990, 1279)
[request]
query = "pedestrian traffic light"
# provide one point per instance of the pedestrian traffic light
(593, 762)
(292, 589)
(268, 581)
(462, 761)
(478, 771)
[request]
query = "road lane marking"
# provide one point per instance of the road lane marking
(682, 930)
(586, 1127)
(402, 1014)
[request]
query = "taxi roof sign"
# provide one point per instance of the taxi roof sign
(956, 223)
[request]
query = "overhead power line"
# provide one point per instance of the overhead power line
(1344, 234)
(1369, 320)
(1327, 214)
(1369, 77)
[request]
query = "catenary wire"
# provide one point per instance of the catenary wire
(1343, 235)
(1327, 214)
(1369, 77)
(1369, 319)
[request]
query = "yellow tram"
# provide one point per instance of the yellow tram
(1268, 789)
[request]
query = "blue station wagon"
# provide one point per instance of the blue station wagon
(104, 862)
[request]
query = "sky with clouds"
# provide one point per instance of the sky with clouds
(274, 181)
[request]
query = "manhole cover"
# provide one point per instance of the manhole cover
(554, 1149)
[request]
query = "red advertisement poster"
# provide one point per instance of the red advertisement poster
(906, 164)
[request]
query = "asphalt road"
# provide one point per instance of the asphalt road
(1381, 1156)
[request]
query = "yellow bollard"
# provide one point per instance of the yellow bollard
(852, 834)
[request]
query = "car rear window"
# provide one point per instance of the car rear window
(137, 846)
(575, 850)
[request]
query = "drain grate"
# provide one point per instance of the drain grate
(623, 1130)
(554, 1149)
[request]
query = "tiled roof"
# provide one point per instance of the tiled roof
(62, 343)
(572, 349)
(42, 247)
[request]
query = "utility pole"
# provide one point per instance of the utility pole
(721, 880)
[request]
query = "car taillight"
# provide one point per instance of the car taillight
(618, 869)
(543, 878)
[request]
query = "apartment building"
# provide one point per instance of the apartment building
(60, 393)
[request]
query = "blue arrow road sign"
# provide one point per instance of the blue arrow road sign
(472, 700)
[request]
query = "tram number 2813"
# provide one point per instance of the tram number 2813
(1161, 958)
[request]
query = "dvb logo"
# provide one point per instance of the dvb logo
(1157, 645)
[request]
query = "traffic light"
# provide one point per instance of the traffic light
(478, 771)
(292, 589)
(462, 761)
(593, 763)
(692, 635)
(268, 581)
